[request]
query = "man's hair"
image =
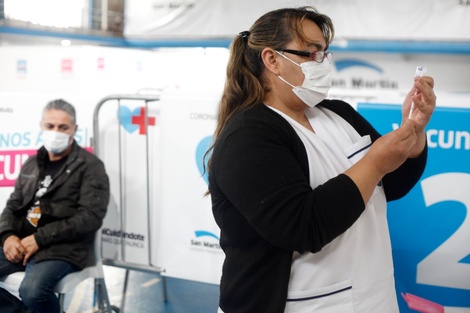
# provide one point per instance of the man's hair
(62, 105)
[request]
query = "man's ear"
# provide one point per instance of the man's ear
(271, 60)
(75, 130)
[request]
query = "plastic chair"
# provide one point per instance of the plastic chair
(70, 282)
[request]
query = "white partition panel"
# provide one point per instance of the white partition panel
(128, 143)
(190, 244)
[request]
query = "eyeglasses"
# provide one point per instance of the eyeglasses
(317, 56)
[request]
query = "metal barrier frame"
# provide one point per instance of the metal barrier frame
(96, 148)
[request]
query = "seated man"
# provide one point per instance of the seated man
(48, 225)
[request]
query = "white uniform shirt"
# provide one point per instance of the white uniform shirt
(354, 272)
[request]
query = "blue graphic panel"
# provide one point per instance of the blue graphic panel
(431, 239)
(201, 150)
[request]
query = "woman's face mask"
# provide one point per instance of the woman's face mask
(316, 84)
(55, 142)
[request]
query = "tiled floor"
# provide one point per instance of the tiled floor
(145, 294)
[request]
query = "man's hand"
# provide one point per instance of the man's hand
(29, 243)
(13, 249)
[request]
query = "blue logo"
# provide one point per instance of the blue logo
(125, 118)
(204, 233)
(201, 149)
(136, 119)
(348, 63)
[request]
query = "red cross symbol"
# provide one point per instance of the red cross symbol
(140, 120)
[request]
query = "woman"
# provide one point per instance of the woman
(299, 184)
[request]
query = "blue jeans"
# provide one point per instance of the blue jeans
(37, 288)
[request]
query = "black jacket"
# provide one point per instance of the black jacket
(73, 207)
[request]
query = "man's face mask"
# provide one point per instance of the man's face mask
(317, 81)
(55, 142)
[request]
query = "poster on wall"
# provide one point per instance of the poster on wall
(190, 237)
(20, 133)
(430, 227)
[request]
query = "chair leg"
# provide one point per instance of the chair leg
(165, 294)
(124, 290)
(61, 302)
(102, 296)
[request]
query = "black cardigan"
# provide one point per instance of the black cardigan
(266, 209)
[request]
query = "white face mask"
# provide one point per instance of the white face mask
(55, 142)
(316, 84)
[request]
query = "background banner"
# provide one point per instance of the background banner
(190, 237)
(430, 227)
(20, 134)
(353, 19)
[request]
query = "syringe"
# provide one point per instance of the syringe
(418, 73)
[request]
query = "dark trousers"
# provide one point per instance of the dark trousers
(37, 288)
(11, 304)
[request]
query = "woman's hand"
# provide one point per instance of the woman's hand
(384, 156)
(424, 99)
(391, 150)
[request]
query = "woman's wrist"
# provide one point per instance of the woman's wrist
(420, 144)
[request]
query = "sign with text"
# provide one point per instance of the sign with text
(430, 227)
